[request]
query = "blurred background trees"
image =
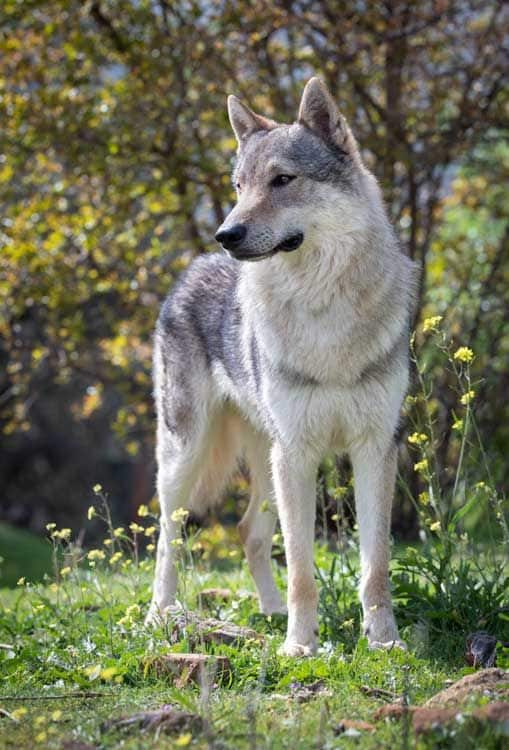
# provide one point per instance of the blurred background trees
(115, 159)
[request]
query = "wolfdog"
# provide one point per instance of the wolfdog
(281, 361)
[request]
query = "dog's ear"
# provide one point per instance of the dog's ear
(244, 121)
(319, 112)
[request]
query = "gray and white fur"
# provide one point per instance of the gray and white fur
(285, 360)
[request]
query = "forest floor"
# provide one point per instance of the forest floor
(77, 658)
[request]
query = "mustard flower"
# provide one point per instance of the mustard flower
(417, 438)
(467, 397)
(179, 515)
(431, 324)
(464, 354)
(421, 466)
(96, 554)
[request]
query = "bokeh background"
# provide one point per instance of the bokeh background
(115, 160)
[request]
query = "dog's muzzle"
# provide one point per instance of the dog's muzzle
(232, 240)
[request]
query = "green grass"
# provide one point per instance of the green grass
(23, 554)
(85, 635)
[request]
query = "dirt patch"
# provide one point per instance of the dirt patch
(393, 711)
(428, 719)
(346, 726)
(493, 683)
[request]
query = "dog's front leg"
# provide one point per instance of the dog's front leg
(374, 467)
(295, 488)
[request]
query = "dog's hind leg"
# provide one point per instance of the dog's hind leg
(258, 524)
(192, 472)
(175, 480)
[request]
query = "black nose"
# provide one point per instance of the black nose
(231, 238)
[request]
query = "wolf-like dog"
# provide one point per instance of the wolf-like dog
(291, 345)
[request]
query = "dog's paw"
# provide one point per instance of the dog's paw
(387, 645)
(291, 648)
(156, 616)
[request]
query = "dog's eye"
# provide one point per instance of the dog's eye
(237, 185)
(282, 179)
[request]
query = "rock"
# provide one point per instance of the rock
(186, 668)
(303, 693)
(213, 597)
(492, 682)
(375, 692)
(210, 630)
(165, 719)
(345, 726)
(428, 719)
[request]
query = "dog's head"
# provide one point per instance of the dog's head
(291, 180)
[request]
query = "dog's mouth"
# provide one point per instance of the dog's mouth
(287, 246)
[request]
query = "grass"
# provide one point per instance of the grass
(75, 651)
(24, 554)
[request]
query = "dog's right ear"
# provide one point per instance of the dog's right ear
(244, 121)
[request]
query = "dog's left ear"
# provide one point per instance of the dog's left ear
(244, 121)
(319, 112)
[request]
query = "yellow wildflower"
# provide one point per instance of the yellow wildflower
(424, 498)
(136, 528)
(21, 581)
(65, 571)
(435, 526)
(97, 488)
(115, 558)
(51, 526)
(118, 531)
(150, 530)
(421, 466)
(143, 511)
(417, 438)
(467, 397)
(431, 324)
(56, 715)
(91, 513)
(464, 354)
(108, 673)
(63, 534)
(177, 542)
(151, 547)
(41, 737)
(18, 713)
(96, 554)
(457, 425)
(184, 740)
(107, 542)
(179, 515)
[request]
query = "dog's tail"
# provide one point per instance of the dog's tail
(226, 447)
